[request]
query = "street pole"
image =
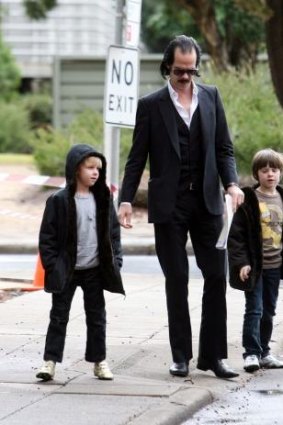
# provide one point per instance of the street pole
(127, 58)
(111, 133)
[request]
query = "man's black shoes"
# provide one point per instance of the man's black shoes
(179, 369)
(220, 369)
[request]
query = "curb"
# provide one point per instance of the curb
(181, 406)
(27, 248)
(129, 248)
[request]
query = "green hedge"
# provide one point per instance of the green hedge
(254, 115)
(50, 146)
(19, 117)
(14, 128)
(9, 72)
(39, 109)
(49, 149)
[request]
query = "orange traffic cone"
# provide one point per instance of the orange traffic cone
(38, 281)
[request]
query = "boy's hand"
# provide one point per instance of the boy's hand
(244, 273)
(237, 196)
(125, 215)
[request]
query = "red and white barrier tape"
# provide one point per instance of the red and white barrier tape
(56, 182)
(43, 181)
(14, 214)
(34, 179)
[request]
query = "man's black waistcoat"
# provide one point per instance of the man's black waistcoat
(191, 152)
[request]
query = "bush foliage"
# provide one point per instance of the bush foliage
(9, 72)
(39, 109)
(19, 117)
(14, 128)
(254, 116)
(51, 146)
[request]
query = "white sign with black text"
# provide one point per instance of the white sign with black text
(121, 88)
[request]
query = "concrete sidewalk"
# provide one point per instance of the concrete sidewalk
(142, 392)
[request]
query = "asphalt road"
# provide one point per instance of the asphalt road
(259, 401)
(132, 264)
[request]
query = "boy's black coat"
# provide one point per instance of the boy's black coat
(245, 241)
(58, 232)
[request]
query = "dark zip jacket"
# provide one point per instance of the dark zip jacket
(245, 241)
(58, 231)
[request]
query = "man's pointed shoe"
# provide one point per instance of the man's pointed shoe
(179, 369)
(221, 369)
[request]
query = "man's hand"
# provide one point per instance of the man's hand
(125, 215)
(244, 273)
(237, 196)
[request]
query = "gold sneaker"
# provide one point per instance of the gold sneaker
(102, 371)
(47, 371)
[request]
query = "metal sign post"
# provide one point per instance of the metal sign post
(121, 87)
(133, 23)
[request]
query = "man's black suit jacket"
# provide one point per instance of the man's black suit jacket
(156, 137)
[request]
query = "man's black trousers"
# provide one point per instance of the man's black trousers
(191, 216)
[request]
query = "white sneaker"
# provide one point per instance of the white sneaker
(47, 371)
(102, 371)
(270, 362)
(251, 363)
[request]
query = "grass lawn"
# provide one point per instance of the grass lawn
(16, 159)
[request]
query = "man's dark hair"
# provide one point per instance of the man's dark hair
(185, 44)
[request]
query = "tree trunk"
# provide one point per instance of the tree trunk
(203, 12)
(274, 43)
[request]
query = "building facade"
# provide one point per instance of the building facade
(75, 27)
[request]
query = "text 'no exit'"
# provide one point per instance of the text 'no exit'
(122, 86)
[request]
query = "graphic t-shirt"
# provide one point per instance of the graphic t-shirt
(271, 217)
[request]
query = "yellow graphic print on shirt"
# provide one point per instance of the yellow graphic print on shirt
(271, 224)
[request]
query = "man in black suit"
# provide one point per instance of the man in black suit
(182, 129)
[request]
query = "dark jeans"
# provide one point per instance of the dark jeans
(259, 312)
(171, 238)
(94, 305)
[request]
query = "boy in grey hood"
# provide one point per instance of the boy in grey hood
(79, 245)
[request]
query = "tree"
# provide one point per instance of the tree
(232, 36)
(274, 43)
(161, 20)
(37, 9)
(231, 31)
(9, 72)
(271, 12)
(204, 14)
